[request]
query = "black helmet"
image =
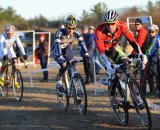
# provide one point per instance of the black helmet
(70, 22)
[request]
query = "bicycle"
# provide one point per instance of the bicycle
(74, 86)
(127, 87)
(10, 78)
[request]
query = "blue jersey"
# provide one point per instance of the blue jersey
(62, 40)
(155, 43)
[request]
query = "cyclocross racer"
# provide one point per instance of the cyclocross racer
(7, 39)
(62, 52)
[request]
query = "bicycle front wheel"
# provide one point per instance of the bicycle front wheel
(140, 104)
(63, 98)
(121, 110)
(17, 82)
(79, 93)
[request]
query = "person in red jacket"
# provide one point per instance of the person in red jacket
(141, 32)
(143, 37)
(42, 54)
(108, 36)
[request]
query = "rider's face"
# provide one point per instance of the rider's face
(10, 34)
(111, 27)
(70, 31)
(152, 33)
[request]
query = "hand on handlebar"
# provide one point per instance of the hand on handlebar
(87, 56)
(143, 58)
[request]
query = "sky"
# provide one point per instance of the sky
(54, 9)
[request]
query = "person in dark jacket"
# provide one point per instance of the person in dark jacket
(92, 32)
(88, 63)
(42, 53)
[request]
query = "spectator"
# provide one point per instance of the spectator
(142, 35)
(88, 63)
(92, 31)
(42, 54)
(154, 44)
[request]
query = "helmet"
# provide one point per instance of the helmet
(153, 27)
(111, 16)
(9, 28)
(70, 22)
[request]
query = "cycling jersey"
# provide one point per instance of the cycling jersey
(6, 45)
(155, 43)
(107, 41)
(62, 41)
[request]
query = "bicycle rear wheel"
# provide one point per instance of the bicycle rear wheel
(140, 104)
(17, 83)
(79, 93)
(62, 98)
(121, 110)
(4, 89)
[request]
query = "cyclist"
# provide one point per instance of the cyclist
(108, 36)
(64, 38)
(155, 43)
(7, 39)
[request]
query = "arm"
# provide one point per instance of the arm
(91, 47)
(3, 51)
(81, 42)
(129, 35)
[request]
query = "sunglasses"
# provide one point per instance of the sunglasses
(151, 31)
(71, 28)
(110, 24)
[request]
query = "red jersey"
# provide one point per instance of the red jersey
(106, 41)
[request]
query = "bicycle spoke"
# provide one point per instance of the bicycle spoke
(121, 110)
(80, 95)
(62, 98)
(17, 82)
(140, 104)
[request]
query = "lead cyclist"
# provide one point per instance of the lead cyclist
(7, 39)
(108, 35)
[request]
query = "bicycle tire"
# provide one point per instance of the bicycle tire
(121, 111)
(4, 89)
(62, 98)
(17, 90)
(79, 93)
(143, 109)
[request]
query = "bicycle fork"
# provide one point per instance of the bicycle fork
(67, 83)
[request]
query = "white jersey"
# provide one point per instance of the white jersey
(6, 45)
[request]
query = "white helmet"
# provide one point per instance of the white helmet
(111, 16)
(153, 27)
(9, 28)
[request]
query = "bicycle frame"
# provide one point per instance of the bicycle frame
(72, 71)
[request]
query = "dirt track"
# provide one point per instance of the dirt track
(39, 110)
